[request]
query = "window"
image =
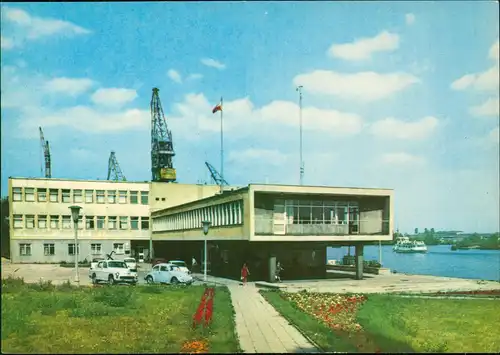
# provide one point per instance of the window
(17, 194)
(112, 222)
(89, 196)
(80, 222)
(342, 214)
(89, 222)
(49, 249)
(111, 196)
(134, 223)
(118, 248)
(66, 222)
(157, 199)
(54, 195)
(145, 223)
(29, 194)
(71, 249)
(163, 198)
(25, 249)
(100, 222)
(42, 221)
(66, 196)
(122, 196)
(77, 196)
(42, 195)
(123, 222)
(54, 222)
(99, 196)
(30, 221)
(317, 214)
(95, 248)
(144, 197)
(18, 221)
(133, 197)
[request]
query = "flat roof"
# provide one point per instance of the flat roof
(324, 186)
(76, 180)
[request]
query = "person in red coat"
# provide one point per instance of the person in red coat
(244, 273)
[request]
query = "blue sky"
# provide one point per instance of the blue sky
(401, 95)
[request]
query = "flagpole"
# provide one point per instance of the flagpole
(221, 144)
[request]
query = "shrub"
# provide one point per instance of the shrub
(42, 285)
(114, 296)
(12, 284)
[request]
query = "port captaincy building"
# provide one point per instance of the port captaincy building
(115, 216)
(263, 224)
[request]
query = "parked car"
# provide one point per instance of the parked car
(112, 271)
(168, 273)
(181, 264)
(131, 263)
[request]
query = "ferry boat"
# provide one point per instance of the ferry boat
(405, 245)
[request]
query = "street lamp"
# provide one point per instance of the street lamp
(75, 212)
(206, 226)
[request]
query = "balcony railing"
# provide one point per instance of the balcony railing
(270, 226)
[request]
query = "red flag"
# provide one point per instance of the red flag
(218, 107)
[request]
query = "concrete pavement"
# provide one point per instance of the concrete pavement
(260, 328)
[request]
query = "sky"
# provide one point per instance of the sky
(401, 95)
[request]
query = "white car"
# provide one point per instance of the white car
(131, 263)
(112, 271)
(169, 274)
(181, 264)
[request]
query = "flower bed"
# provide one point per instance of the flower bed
(195, 347)
(336, 311)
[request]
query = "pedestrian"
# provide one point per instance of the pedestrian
(244, 273)
(278, 271)
(193, 264)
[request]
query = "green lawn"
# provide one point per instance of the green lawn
(116, 319)
(395, 324)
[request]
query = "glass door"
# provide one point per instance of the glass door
(353, 220)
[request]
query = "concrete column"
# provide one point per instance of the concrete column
(359, 261)
(272, 268)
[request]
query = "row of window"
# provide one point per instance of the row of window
(316, 212)
(91, 222)
(49, 249)
(79, 195)
(225, 214)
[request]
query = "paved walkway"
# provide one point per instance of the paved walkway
(260, 328)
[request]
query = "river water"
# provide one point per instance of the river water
(439, 261)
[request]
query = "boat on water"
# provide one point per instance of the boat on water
(405, 245)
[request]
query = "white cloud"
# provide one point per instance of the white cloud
(363, 48)
(209, 62)
(194, 115)
(85, 119)
(194, 76)
(174, 75)
(485, 81)
(113, 96)
(494, 51)
(402, 158)
(6, 42)
(488, 108)
(33, 27)
(410, 19)
(68, 86)
(392, 128)
(363, 86)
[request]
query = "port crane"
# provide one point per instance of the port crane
(216, 177)
(114, 170)
(162, 147)
(46, 155)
